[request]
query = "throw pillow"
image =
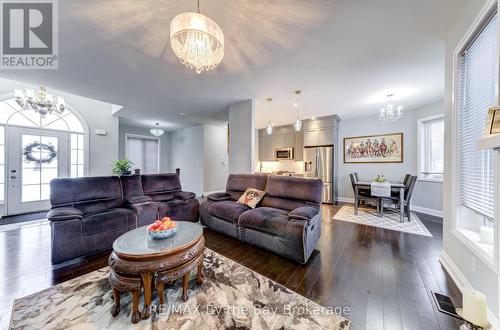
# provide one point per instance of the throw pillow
(251, 197)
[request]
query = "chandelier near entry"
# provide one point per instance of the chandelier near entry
(39, 101)
(390, 112)
(157, 131)
(197, 41)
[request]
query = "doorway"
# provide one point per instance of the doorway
(35, 157)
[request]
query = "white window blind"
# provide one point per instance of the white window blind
(432, 149)
(475, 94)
(144, 153)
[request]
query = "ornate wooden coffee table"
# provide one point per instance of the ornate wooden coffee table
(140, 263)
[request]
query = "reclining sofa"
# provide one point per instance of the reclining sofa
(287, 221)
(89, 213)
(166, 191)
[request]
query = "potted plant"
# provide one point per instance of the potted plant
(122, 167)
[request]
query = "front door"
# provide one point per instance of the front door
(36, 156)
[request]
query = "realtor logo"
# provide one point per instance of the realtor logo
(29, 34)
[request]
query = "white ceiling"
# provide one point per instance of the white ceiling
(344, 54)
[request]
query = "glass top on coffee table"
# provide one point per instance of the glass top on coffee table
(138, 242)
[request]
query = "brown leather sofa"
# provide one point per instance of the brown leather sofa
(287, 221)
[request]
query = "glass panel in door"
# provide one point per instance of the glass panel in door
(39, 166)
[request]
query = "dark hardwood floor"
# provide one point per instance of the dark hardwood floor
(384, 276)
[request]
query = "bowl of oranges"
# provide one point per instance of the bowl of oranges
(163, 228)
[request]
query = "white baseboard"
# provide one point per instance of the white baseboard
(436, 213)
(425, 210)
(461, 282)
(345, 200)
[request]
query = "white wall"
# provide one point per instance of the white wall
(164, 144)
(483, 279)
(216, 158)
(201, 154)
(242, 137)
(187, 153)
(426, 194)
(97, 115)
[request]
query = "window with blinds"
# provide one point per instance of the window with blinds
(431, 148)
(475, 94)
(144, 152)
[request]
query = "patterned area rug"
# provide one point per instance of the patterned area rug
(231, 297)
(368, 216)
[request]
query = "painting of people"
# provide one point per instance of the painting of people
(386, 148)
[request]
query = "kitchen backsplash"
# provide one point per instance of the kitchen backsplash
(289, 166)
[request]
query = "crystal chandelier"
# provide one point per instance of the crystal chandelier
(39, 101)
(298, 123)
(197, 41)
(269, 128)
(390, 112)
(157, 131)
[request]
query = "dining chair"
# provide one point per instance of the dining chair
(356, 176)
(363, 194)
(366, 191)
(409, 183)
(406, 178)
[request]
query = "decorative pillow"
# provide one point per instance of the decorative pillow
(251, 197)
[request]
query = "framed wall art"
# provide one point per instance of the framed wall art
(384, 148)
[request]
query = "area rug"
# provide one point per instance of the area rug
(390, 220)
(231, 297)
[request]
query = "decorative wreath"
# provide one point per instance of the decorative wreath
(32, 153)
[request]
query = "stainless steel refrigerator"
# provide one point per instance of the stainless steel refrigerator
(319, 163)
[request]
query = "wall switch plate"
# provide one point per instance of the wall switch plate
(474, 264)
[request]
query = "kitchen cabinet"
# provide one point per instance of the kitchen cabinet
(299, 143)
(315, 132)
(266, 148)
(282, 137)
(325, 136)
(318, 136)
(311, 137)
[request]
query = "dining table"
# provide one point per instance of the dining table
(397, 187)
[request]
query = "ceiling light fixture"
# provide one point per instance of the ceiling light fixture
(157, 131)
(197, 41)
(40, 102)
(390, 112)
(269, 128)
(298, 123)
